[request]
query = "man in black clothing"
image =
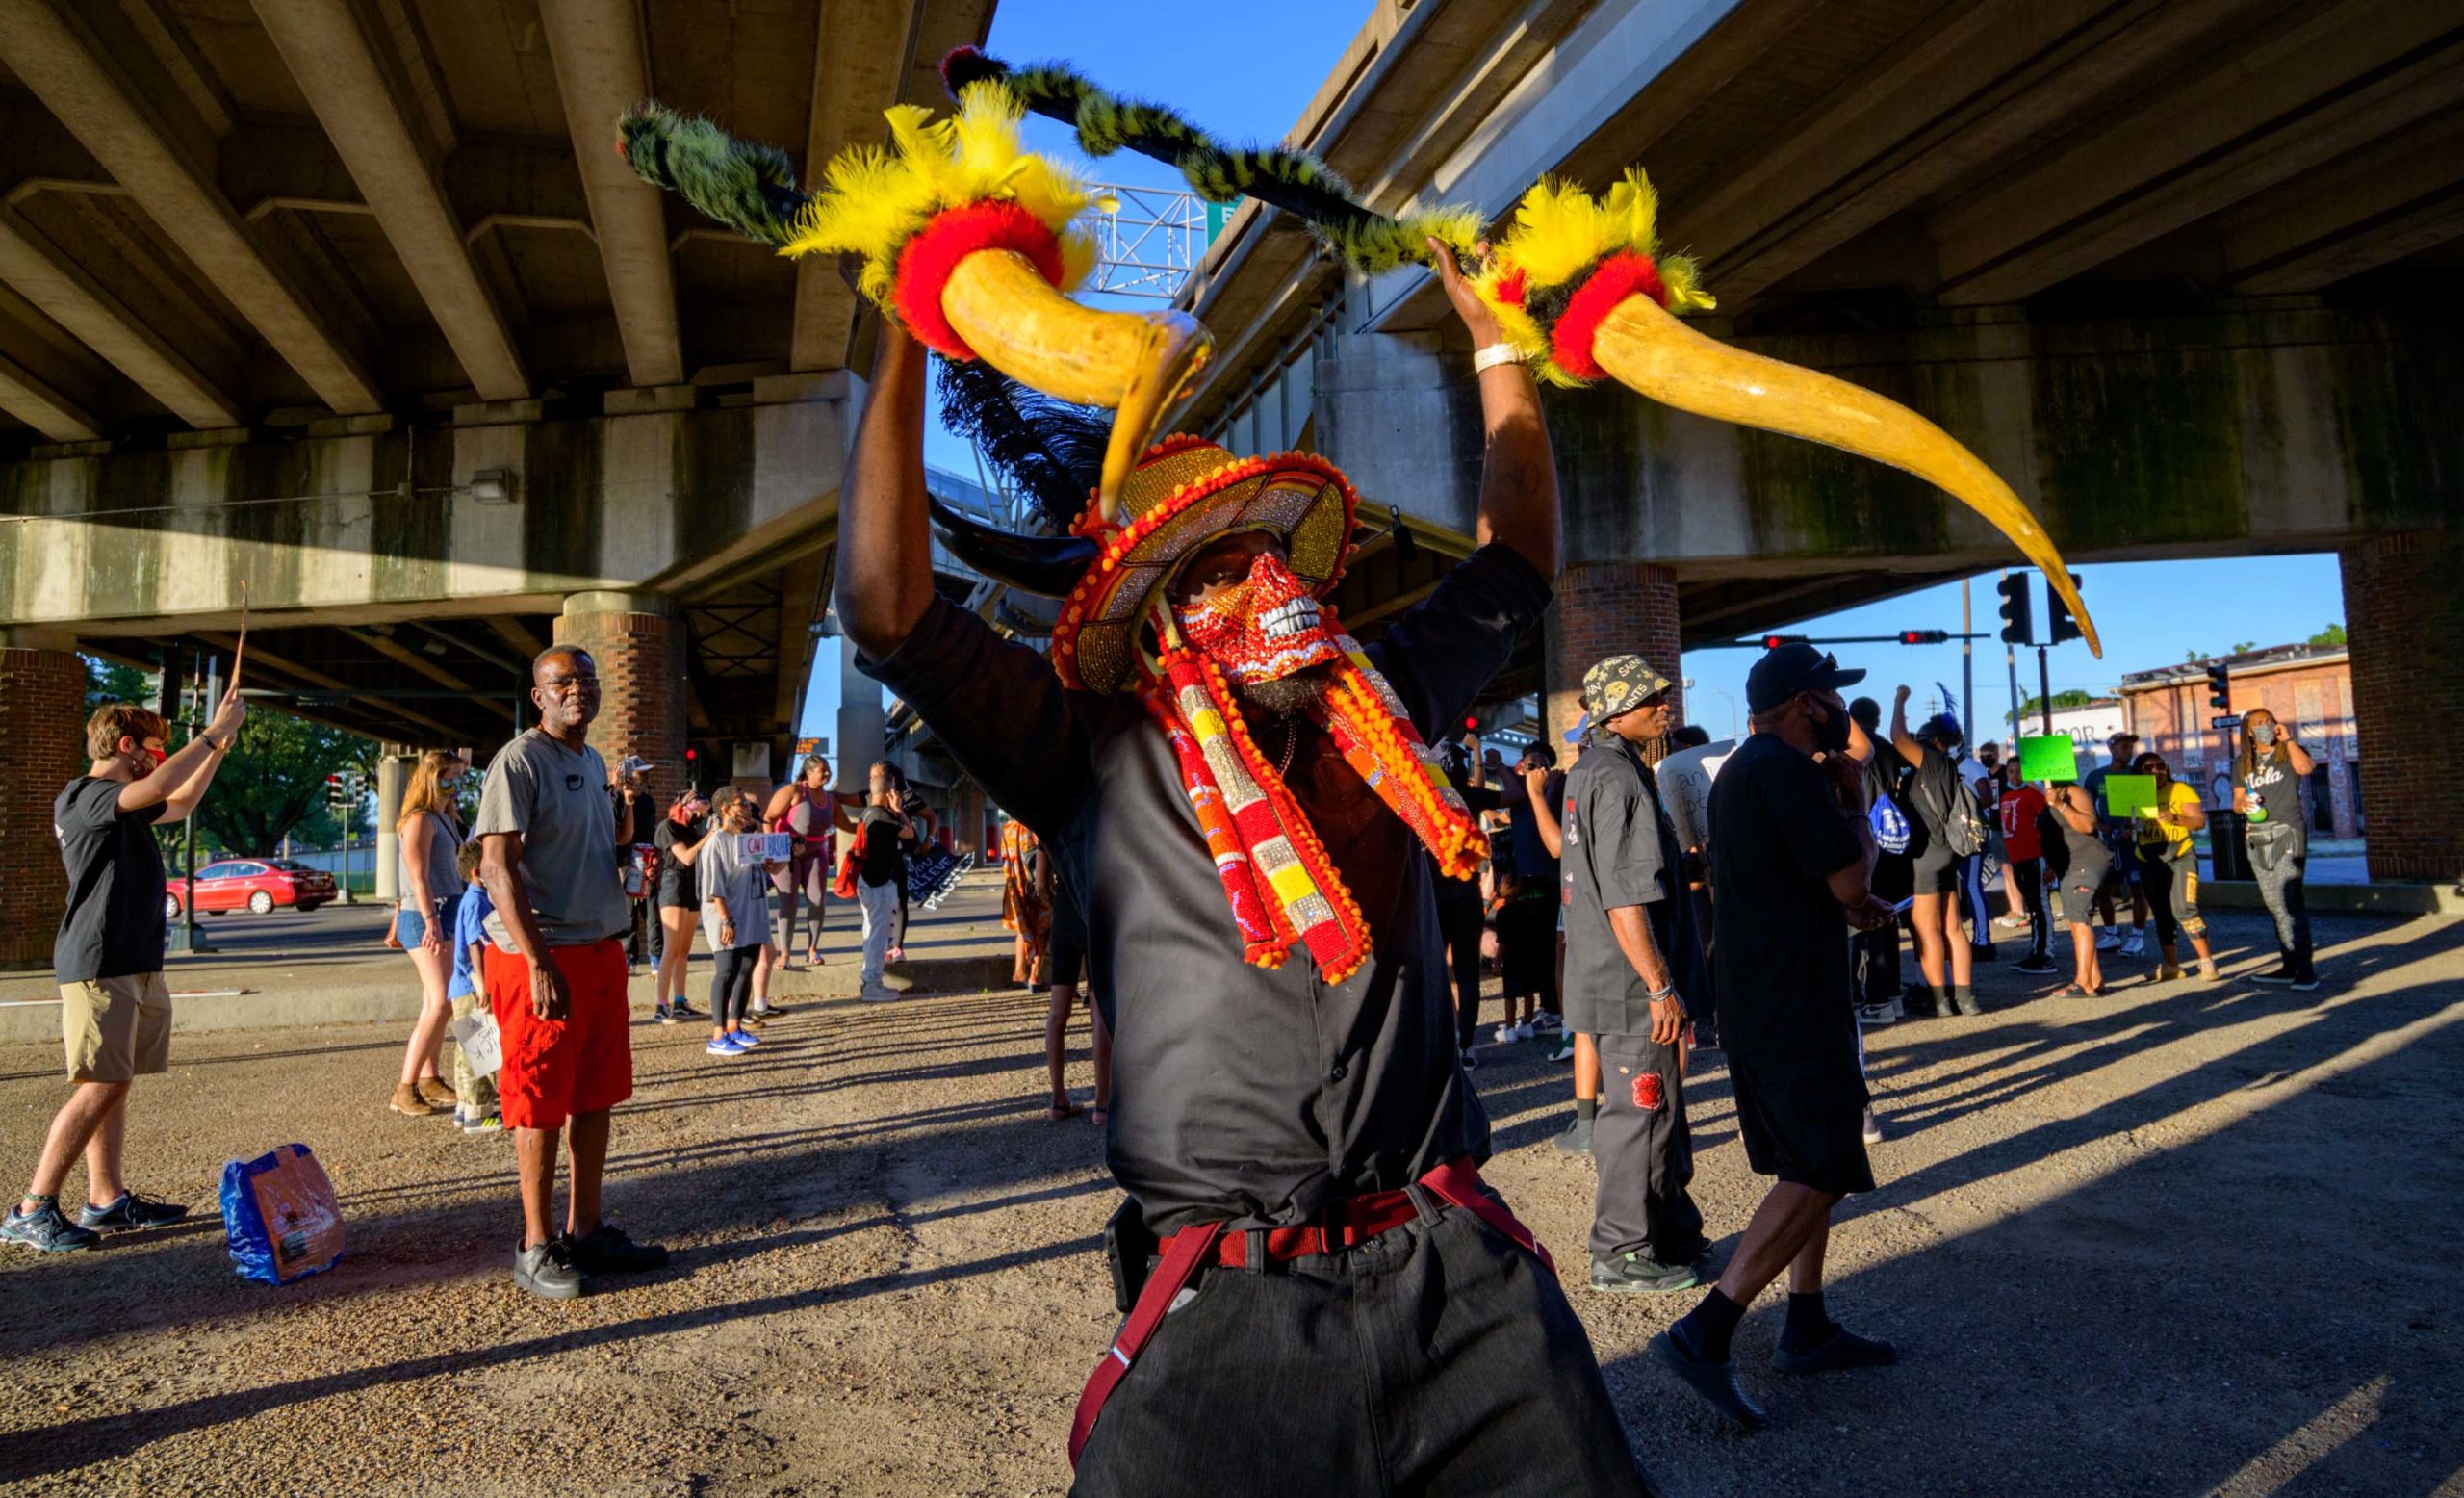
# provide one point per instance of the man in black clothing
(114, 1009)
(1879, 989)
(1791, 844)
(1633, 960)
(1460, 919)
(1292, 1125)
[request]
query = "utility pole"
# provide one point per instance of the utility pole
(2045, 690)
(1967, 672)
(2011, 662)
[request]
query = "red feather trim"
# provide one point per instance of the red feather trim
(1513, 286)
(928, 256)
(1619, 276)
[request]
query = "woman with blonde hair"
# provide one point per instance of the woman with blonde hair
(430, 835)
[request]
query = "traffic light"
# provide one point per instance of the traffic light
(1775, 641)
(2059, 624)
(2019, 621)
(2220, 689)
(1923, 637)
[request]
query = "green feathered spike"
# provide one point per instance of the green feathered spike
(748, 187)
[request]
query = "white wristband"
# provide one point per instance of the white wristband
(1495, 355)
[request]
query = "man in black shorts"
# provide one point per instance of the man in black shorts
(1791, 842)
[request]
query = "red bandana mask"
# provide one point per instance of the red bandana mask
(1264, 629)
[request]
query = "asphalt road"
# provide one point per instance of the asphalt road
(2186, 1239)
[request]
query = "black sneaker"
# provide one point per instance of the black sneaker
(1631, 1274)
(1576, 1139)
(46, 1229)
(2282, 977)
(548, 1271)
(685, 1011)
(2305, 983)
(130, 1213)
(770, 1010)
(1716, 1383)
(606, 1249)
(2038, 965)
(1842, 1348)
(1470, 1059)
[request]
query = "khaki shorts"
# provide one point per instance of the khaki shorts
(116, 1028)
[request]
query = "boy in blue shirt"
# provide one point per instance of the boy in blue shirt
(476, 1110)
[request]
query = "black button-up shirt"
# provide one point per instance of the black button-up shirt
(1621, 851)
(1241, 1094)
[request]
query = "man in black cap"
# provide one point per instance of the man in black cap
(1790, 843)
(1634, 964)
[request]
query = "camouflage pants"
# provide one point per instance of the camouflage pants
(476, 1093)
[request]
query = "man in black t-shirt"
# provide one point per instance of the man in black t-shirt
(1791, 844)
(115, 1010)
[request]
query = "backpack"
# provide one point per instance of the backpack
(1891, 832)
(1962, 822)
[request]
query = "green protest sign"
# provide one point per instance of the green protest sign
(2048, 758)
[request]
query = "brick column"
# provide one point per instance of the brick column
(2405, 616)
(637, 640)
(42, 733)
(1607, 609)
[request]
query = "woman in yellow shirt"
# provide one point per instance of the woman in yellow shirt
(2169, 866)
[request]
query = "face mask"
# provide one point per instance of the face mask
(1263, 629)
(1829, 732)
(2263, 734)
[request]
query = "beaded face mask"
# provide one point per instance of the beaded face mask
(1262, 630)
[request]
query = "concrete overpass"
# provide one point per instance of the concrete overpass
(356, 305)
(2181, 269)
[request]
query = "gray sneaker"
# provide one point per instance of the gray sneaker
(1631, 1274)
(548, 1271)
(45, 1229)
(130, 1213)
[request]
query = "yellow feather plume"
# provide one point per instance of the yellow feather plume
(1560, 231)
(873, 201)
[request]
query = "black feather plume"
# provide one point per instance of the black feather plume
(1052, 451)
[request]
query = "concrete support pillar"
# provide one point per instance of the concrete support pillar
(42, 739)
(394, 764)
(637, 640)
(966, 817)
(1607, 609)
(862, 721)
(2405, 613)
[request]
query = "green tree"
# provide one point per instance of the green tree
(2332, 634)
(272, 784)
(2073, 697)
(108, 680)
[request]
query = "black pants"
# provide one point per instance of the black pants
(1877, 964)
(1645, 1155)
(1528, 950)
(1459, 923)
(2029, 875)
(2171, 887)
(731, 984)
(1437, 1358)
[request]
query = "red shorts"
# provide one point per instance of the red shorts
(556, 1069)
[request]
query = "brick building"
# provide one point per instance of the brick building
(2309, 686)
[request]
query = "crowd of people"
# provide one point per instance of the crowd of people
(1248, 835)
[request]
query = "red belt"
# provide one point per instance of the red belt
(1344, 1224)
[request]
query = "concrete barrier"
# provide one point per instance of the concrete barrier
(2341, 899)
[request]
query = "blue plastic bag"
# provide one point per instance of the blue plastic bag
(280, 1216)
(1891, 832)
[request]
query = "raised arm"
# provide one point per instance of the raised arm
(885, 545)
(1901, 738)
(1519, 474)
(1535, 781)
(180, 781)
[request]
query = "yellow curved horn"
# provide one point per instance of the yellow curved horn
(1137, 363)
(1649, 350)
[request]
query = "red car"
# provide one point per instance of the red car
(253, 884)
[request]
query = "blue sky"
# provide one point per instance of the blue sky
(1255, 79)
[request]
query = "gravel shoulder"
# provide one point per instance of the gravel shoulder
(2185, 1239)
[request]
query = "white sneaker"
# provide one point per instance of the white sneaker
(2107, 938)
(1506, 1035)
(1873, 1128)
(1876, 1014)
(2134, 945)
(1565, 1051)
(879, 993)
(1524, 1031)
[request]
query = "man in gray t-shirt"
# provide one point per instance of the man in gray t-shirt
(555, 973)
